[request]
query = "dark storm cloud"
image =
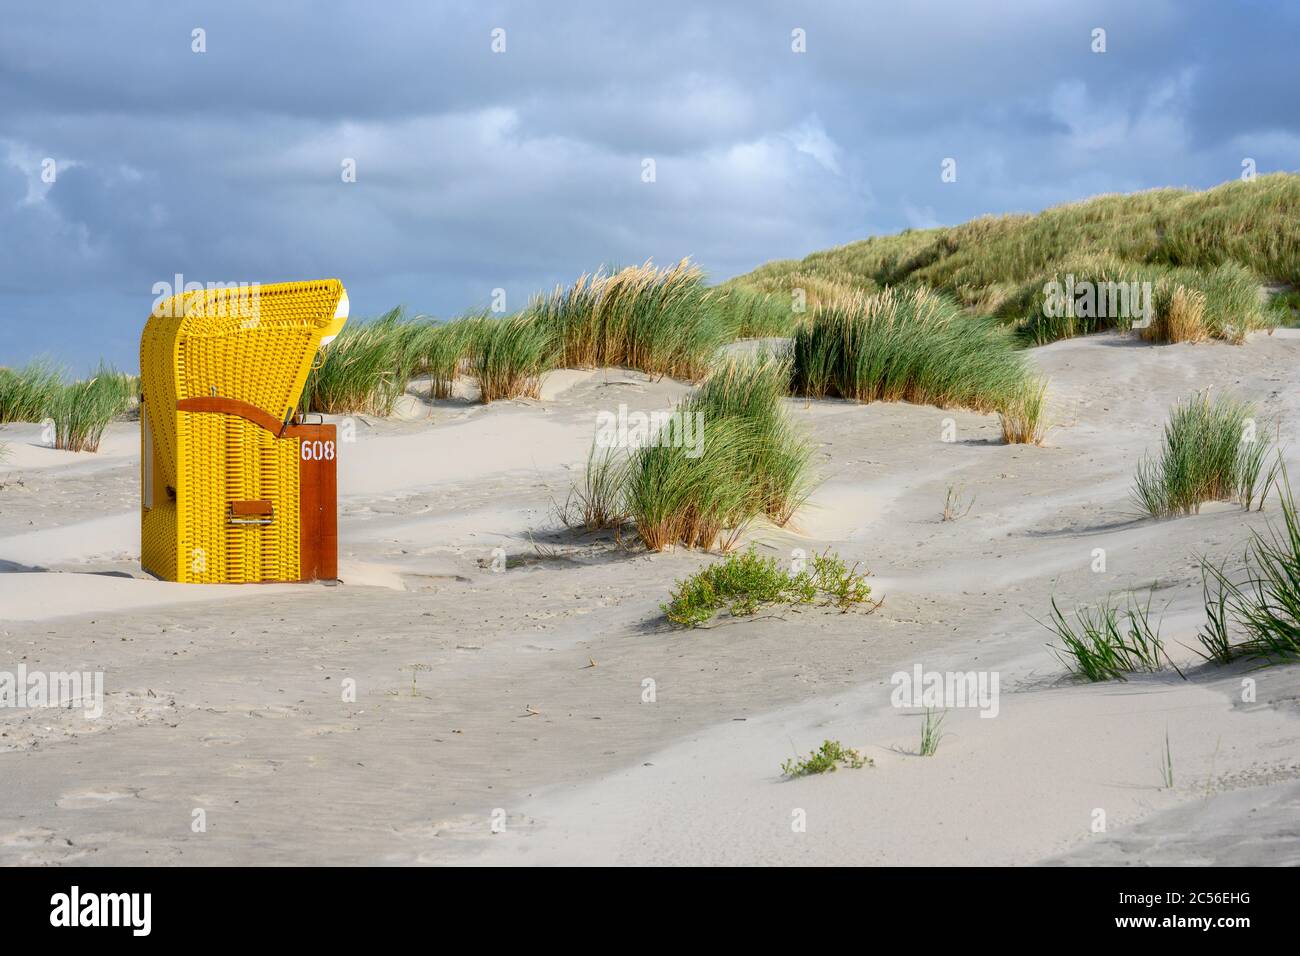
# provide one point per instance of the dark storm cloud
(518, 170)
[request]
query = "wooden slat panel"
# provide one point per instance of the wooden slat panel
(318, 503)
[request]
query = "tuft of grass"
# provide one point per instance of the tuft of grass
(439, 350)
(1265, 606)
(81, 411)
(931, 733)
(1213, 450)
(660, 321)
(829, 757)
(742, 583)
(1179, 316)
(599, 503)
(905, 346)
(27, 394)
(509, 355)
(1215, 637)
(365, 369)
(747, 460)
(1107, 642)
(1024, 415)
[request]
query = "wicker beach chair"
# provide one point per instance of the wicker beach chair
(235, 487)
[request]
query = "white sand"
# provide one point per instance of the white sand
(231, 701)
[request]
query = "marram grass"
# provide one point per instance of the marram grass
(750, 462)
(906, 346)
(365, 369)
(1213, 449)
(509, 355)
(27, 394)
(81, 411)
(1221, 242)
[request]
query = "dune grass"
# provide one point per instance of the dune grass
(440, 351)
(1221, 242)
(27, 394)
(599, 502)
(1107, 642)
(81, 411)
(1264, 606)
(750, 461)
(931, 733)
(365, 369)
(1213, 450)
(509, 355)
(1023, 416)
(906, 346)
(662, 321)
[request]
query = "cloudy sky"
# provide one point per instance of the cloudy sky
(478, 169)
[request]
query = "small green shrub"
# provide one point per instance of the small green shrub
(742, 583)
(828, 758)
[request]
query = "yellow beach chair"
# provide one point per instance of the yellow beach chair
(235, 487)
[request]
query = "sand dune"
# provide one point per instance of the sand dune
(476, 701)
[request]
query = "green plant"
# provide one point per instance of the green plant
(1266, 605)
(509, 355)
(1212, 451)
(1214, 637)
(661, 321)
(440, 349)
(841, 584)
(81, 411)
(1219, 243)
(830, 756)
(931, 733)
(746, 460)
(598, 503)
(742, 583)
(906, 346)
(365, 369)
(1023, 416)
(27, 394)
(1108, 643)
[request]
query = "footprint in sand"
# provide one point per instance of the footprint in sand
(221, 740)
(86, 799)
